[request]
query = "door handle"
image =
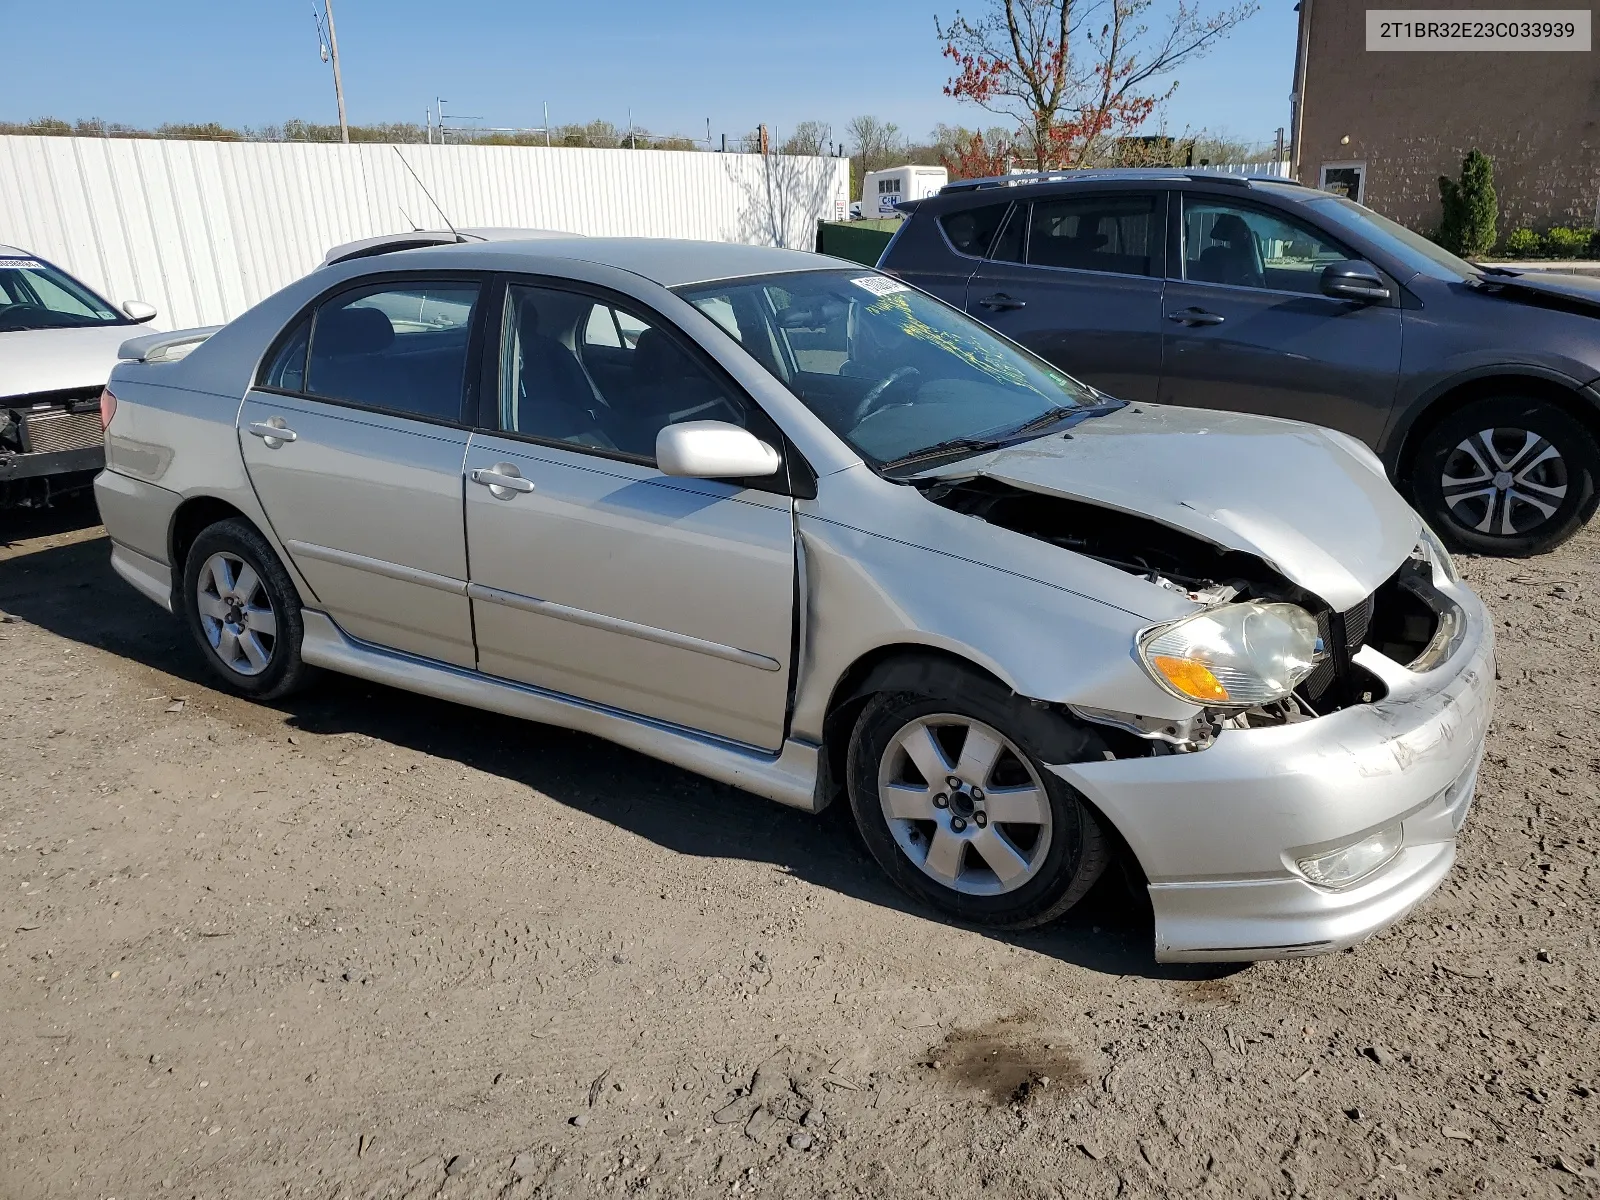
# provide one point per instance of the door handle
(502, 480)
(1000, 302)
(1196, 316)
(273, 435)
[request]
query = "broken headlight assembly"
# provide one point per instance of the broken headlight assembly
(1431, 551)
(1235, 655)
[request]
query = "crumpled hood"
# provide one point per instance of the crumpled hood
(1313, 504)
(52, 360)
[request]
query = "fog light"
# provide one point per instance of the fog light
(1341, 867)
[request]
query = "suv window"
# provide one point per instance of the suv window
(1118, 234)
(972, 230)
(1247, 247)
(577, 370)
(400, 347)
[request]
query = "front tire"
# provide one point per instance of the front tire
(1506, 475)
(243, 611)
(950, 793)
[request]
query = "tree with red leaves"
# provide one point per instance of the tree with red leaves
(1069, 86)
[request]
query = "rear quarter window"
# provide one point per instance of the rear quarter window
(972, 230)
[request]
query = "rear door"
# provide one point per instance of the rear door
(940, 253)
(1248, 328)
(595, 575)
(1078, 280)
(354, 440)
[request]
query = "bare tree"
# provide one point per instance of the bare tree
(873, 145)
(810, 138)
(1070, 73)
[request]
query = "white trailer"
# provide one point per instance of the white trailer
(882, 190)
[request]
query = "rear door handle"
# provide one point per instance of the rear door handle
(1000, 302)
(503, 480)
(273, 435)
(1196, 316)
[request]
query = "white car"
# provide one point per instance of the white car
(58, 343)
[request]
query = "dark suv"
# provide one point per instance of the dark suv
(1477, 386)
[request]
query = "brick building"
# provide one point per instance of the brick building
(1383, 126)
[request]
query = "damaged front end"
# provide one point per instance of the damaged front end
(1405, 618)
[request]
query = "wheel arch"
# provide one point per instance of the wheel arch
(191, 518)
(1435, 405)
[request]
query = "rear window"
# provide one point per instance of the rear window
(972, 230)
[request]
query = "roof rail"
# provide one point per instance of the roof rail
(1088, 174)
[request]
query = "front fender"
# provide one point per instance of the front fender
(864, 592)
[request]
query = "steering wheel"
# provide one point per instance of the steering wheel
(875, 393)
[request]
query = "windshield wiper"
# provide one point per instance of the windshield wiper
(1049, 417)
(960, 445)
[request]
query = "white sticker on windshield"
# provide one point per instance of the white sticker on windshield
(18, 264)
(878, 285)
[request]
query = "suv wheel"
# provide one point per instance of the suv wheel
(1507, 475)
(243, 611)
(952, 798)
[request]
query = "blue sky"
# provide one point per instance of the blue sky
(254, 62)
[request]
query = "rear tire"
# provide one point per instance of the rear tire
(243, 611)
(997, 840)
(1506, 475)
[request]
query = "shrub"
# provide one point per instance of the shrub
(1523, 243)
(1562, 242)
(1470, 207)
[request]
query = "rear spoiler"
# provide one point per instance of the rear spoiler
(164, 347)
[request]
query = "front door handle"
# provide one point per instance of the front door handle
(1000, 302)
(503, 481)
(274, 432)
(1196, 316)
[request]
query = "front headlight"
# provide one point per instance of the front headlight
(1235, 656)
(1432, 549)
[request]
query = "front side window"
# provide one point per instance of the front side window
(34, 295)
(972, 229)
(1117, 234)
(1246, 247)
(895, 373)
(400, 347)
(598, 376)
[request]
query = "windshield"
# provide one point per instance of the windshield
(34, 295)
(1416, 251)
(896, 374)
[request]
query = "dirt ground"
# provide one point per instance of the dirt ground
(366, 944)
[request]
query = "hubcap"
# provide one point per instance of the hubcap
(965, 805)
(236, 614)
(1506, 482)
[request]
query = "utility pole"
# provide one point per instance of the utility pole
(338, 83)
(547, 123)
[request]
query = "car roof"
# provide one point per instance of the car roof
(670, 262)
(14, 251)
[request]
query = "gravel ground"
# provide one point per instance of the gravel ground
(365, 944)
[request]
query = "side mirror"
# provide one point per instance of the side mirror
(713, 450)
(1354, 280)
(138, 310)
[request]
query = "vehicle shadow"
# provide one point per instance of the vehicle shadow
(70, 590)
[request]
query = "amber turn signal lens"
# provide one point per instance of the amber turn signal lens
(108, 408)
(1191, 678)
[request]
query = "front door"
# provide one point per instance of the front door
(593, 574)
(1078, 281)
(1248, 328)
(354, 441)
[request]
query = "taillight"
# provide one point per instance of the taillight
(108, 408)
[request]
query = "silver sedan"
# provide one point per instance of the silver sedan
(798, 527)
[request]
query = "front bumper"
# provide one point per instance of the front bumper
(1216, 831)
(56, 462)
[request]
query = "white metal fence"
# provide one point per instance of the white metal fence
(203, 230)
(1280, 169)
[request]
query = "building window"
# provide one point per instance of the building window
(1347, 179)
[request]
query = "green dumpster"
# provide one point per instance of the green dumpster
(859, 241)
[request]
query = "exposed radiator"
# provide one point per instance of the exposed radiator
(48, 432)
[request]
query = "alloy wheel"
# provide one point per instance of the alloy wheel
(1504, 481)
(965, 805)
(236, 613)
